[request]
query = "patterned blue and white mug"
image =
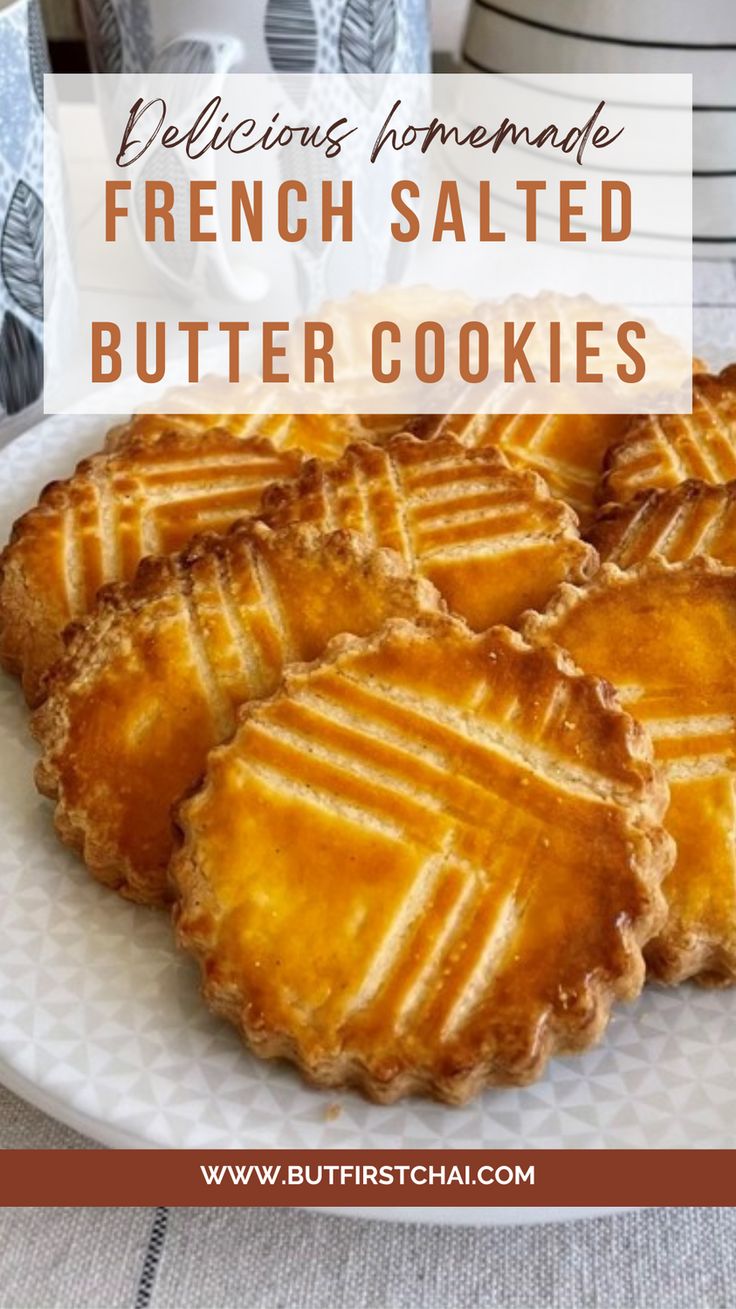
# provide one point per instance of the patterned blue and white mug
(23, 62)
(256, 36)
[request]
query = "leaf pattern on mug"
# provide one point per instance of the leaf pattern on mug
(137, 36)
(368, 36)
(107, 40)
(21, 249)
(290, 29)
(38, 54)
(21, 365)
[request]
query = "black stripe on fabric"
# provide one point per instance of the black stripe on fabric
(720, 172)
(715, 240)
(152, 1258)
(714, 109)
(600, 40)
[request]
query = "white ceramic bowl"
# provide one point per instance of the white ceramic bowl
(617, 36)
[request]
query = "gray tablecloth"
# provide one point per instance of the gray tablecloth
(287, 1259)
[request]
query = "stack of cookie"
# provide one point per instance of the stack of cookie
(353, 716)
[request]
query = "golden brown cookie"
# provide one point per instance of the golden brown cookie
(665, 636)
(567, 450)
(154, 677)
(661, 450)
(692, 519)
(493, 541)
(149, 497)
(321, 435)
(425, 865)
(150, 427)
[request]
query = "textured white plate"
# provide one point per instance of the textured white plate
(471, 1217)
(101, 1023)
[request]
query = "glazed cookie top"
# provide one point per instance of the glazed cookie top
(154, 677)
(567, 450)
(665, 636)
(426, 864)
(493, 541)
(662, 450)
(148, 497)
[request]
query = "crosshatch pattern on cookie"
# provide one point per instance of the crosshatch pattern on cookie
(155, 676)
(94, 528)
(690, 520)
(465, 830)
(665, 636)
(662, 450)
(567, 450)
(492, 540)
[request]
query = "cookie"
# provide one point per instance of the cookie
(427, 864)
(148, 497)
(493, 541)
(665, 636)
(154, 677)
(660, 451)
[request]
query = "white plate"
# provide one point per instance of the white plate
(101, 1022)
(471, 1217)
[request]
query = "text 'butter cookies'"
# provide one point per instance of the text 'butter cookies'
(494, 542)
(426, 864)
(154, 677)
(150, 497)
(665, 636)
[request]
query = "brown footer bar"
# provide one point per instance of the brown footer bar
(367, 1178)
